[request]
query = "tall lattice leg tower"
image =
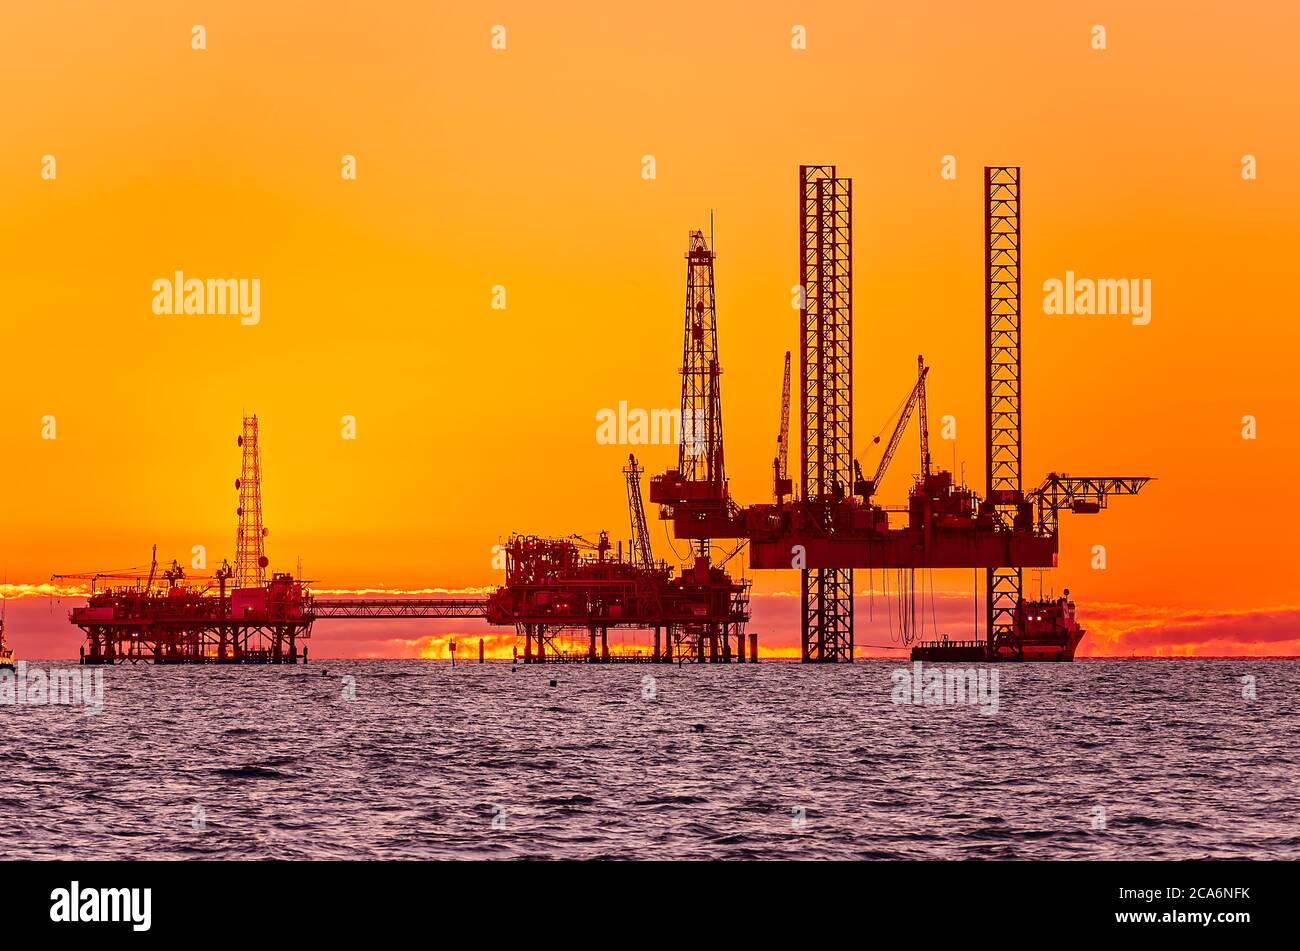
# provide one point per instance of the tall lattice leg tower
(826, 384)
(1002, 388)
(250, 555)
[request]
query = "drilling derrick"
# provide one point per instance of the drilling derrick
(694, 495)
(699, 454)
(1003, 393)
(826, 389)
(700, 469)
(250, 555)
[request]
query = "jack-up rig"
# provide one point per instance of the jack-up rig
(832, 526)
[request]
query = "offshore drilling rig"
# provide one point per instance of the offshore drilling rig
(831, 526)
(825, 526)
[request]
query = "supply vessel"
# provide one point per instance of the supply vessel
(1047, 630)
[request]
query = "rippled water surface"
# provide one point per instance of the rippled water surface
(722, 762)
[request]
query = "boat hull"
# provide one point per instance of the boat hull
(938, 651)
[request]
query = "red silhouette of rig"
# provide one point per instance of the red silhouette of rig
(553, 588)
(182, 623)
(565, 595)
(232, 617)
(826, 524)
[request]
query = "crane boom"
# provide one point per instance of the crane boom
(641, 554)
(923, 418)
(782, 486)
(866, 488)
(1083, 495)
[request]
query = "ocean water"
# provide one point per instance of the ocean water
(1110, 760)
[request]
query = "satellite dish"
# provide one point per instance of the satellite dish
(241, 441)
(263, 562)
(236, 485)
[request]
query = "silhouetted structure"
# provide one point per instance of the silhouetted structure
(833, 526)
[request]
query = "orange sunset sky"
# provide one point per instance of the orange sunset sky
(522, 167)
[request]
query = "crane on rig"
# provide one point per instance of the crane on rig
(781, 482)
(1082, 495)
(144, 580)
(915, 402)
(641, 554)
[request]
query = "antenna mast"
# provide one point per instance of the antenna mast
(250, 555)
